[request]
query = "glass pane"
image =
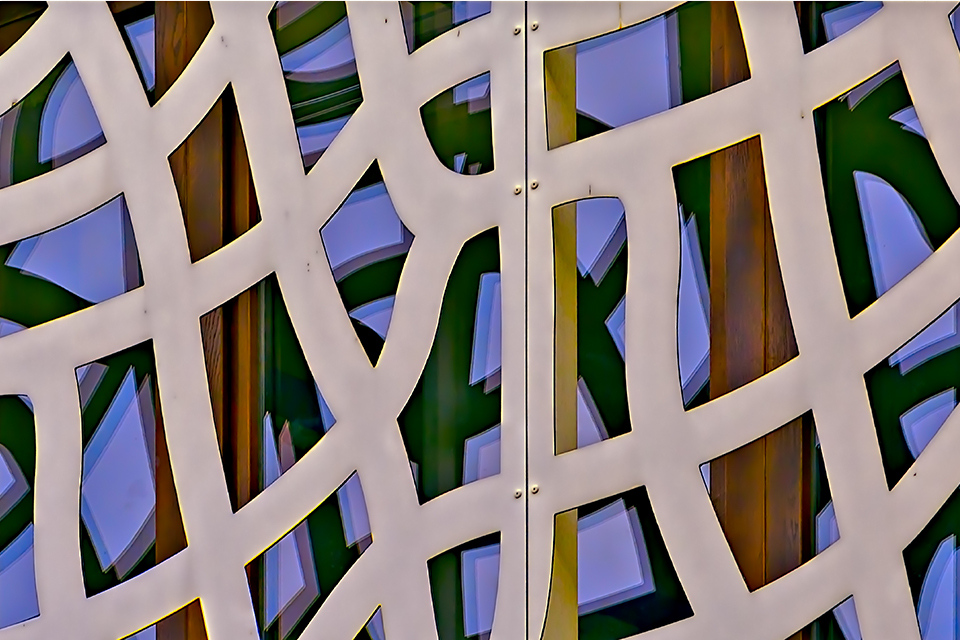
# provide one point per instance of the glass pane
(463, 584)
(458, 123)
(931, 561)
(821, 22)
(640, 70)
(53, 125)
(840, 623)
(767, 492)
(373, 630)
(889, 205)
(424, 21)
(451, 424)
(626, 583)
(129, 512)
(913, 392)
(267, 408)
(69, 268)
(18, 581)
(137, 25)
(590, 257)
(290, 581)
(367, 245)
(320, 70)
(733, 323)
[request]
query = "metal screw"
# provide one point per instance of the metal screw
(534, 184)
(535, 489)
(516, 31)
(517, 493)
(535, 26)
(517, 189)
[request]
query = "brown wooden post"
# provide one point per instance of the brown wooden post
(760, 490)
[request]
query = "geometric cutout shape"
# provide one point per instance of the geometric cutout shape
(71, 267)
(889, 205)
(366, 244)
(424, 21)
(319, 69)
(444, 421)
(932, 571)
(590, 257)
(625, 580)
(759, 493)
(822, 22)
(54, 124)
(913, 392)
(620, 77)
(137, 24)
(373, 630)
(15, 19)
(840, 623)
(458, 124)
(211, 171)
(186, 622)
(290, 581)
(129, 511)
(464, 583)
(733, 321)
(17, 468)
(267, 407)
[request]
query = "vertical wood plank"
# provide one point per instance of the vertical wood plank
(759, 490)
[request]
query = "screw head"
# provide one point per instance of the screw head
(535, 26)
(535, 489)
(517, 189)
(517, 493)
(534, 184)
(516, 31)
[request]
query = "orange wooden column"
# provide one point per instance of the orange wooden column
(760, 491)
(212, 175)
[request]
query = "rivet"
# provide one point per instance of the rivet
(517, 189)
(535, 26)
(535, 489)
(516, 31)
(517, 493)
(534, 184)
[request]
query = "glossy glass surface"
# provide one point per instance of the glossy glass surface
(821, 22)
(451, 424)
(320, 70)
(634, 72)
(367, 244)
(18, 582)
(69, 268)
(138, 25)
(53, 125)
(840, 623)
(463, 584)
(626, 583)
(889, 205)
(424, 21)
(932, 570)
(599, 231)
(185, 622)
(459, 125)
(373, 630)
(130, 520)
(268, 409)
(290, 581)
(913, 392)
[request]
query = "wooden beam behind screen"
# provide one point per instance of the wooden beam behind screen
(213, 180)
(760, 491)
